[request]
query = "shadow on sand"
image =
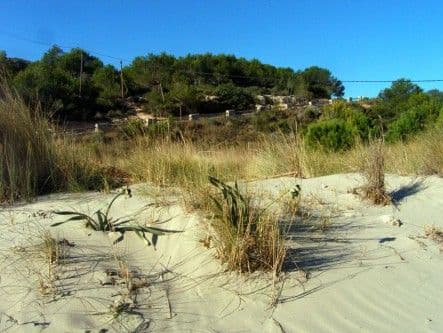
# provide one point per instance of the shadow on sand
(407, 190)
(315, 250)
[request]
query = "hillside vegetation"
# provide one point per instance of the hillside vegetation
(303, 141)
(75, 84)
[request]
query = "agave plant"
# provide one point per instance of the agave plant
(101, 221)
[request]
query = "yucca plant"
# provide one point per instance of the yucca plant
(103, 222)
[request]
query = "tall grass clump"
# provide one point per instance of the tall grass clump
(247, 237)
(374, 173)
(277, 154)
(28, 155)
(34, 161)
(421, 155)
(290, 154)
(182, 166)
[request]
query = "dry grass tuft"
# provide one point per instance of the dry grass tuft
(52, 252)
(246, 236)
(34, 160)
(28, 156)
(434, 233)
(374, 173)
(44, 257)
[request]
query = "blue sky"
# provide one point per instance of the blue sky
(355, 39)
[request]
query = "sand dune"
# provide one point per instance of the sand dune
(350, 268)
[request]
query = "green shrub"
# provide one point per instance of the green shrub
(274, 121)
(234, 97)
(262, 120)
(353, 114)
(331, 134)
(411, 122)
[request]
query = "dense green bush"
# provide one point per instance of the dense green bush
(331, 134)
(320, 83)
(354, 115)
(411, 122)
(396, 99)
(233, 97)
(262, 120)
(106, 81)
(54, 82)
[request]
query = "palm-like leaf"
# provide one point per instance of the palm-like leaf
(104, 223)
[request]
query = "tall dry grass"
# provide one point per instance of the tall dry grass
(373, 170)
(34, 161)
(28, 157)
(422, 155)
(186, 165)
(247, 237)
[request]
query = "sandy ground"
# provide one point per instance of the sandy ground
(350, 267)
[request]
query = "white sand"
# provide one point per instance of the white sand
(363, 273)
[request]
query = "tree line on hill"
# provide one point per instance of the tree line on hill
(205, 83)
(77, 85)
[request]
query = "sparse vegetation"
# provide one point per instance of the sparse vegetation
(53, 252)
(33, 161)
(103, 222)
(247, 237)
(44, 255)
(434, 233)
(216, 234)
(374, 173)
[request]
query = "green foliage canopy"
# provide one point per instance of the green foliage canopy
(331, 134)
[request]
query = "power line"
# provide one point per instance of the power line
(389, 81)
(343, 81)
(39, 42)
(234, 76)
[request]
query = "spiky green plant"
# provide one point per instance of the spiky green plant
(235, 209)
(247, 236)
(103, 222)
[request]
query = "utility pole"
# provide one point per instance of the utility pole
(159, 84)
(161, 91)
(81, 74)
(121, 79)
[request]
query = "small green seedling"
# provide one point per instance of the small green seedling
(103, 222)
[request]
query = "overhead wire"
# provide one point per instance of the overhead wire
(234, 76)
